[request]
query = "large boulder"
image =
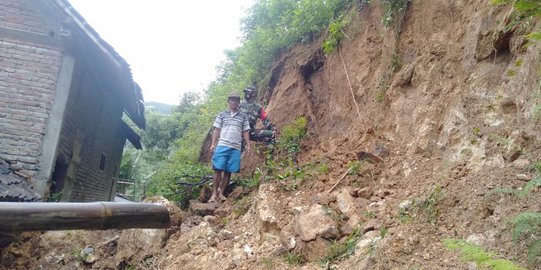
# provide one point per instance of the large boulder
(316, 222)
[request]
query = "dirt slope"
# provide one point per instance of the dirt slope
(451, 98)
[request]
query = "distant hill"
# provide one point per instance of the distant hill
(159, 107)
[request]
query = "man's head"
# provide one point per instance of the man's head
(250, 93)
(233, 100)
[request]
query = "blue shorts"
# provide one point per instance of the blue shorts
(226, 159)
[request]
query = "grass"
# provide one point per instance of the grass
(294, 259)
(430, 205)
(482, 258)
(343, 249)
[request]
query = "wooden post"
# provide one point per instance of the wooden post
(38, 216)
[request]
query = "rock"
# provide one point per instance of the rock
(362, 246)
(324, 198)
(369, 157)
(523, 177)
(203, 209)
(236, 194)
(372, 225)
(372, 235)
(345, 202)
(521, 163)
(366, 193)
(476, 239)
(405, 206)
(354, 220)
(209, 219)
(248, 250)
(381, 151)
(383, 193)
(268, 206)
(134, 244)
(316, 249)
(316, 222)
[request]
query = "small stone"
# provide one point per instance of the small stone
(209, 219)
(523, 177)
(405, 205)
(521, 163)
(365, 193)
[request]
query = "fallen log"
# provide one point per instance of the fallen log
(42, 216)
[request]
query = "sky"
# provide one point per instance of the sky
(172, 46)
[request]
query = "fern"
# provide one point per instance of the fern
(527, 227)
(481, 257)
(521, 193)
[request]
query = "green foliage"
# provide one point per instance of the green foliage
(335, 35)
(527, 228)
(354, 167)
(404, 216)
(323, 168)
(430, 205)
(369, 214)
(525, 11)
(522, 192)
(293, 258)
(55, 197)
(511, 72)
(172, 142)
(392, 9)
(343, 249)
(272, 26)
(482, 258)
(267, 262)
(292, 135)
(383, 232)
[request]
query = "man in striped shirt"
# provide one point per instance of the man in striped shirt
(230, 127)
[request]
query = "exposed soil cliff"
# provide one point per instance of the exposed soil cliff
(447, 93)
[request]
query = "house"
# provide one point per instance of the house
(63, 92)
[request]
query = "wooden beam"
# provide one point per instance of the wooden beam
(42, 216)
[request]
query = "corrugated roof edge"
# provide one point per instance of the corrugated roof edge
(136, 110)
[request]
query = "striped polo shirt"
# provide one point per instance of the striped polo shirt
(232, 126)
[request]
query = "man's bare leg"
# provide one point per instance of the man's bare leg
(223, 185)
(216, 181)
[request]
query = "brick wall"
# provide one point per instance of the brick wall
(15, 14)
(28, 76)
(94, 114)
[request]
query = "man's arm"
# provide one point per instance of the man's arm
(246, 135)
(215, 136)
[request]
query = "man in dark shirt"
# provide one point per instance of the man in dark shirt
(254, 112)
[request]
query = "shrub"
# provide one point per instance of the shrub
(391, 9)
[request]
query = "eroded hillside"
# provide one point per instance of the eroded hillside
(446, 98)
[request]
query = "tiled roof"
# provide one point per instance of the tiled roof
(14, 187)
